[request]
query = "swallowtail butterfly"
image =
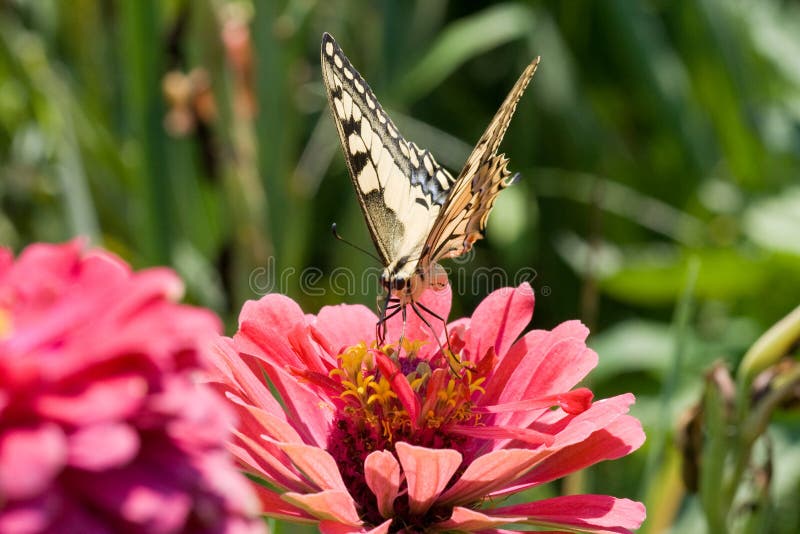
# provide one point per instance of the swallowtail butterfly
(417, 213)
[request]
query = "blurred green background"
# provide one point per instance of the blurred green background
(659, 145)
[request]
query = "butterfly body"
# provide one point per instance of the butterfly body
(416, 212)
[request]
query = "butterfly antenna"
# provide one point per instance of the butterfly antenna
(345, 241)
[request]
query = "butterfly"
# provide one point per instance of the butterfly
(416, 212)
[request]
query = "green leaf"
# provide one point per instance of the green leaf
(774, 223)
(653, 277)
(464, 39)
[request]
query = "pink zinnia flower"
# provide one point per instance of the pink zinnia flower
(374, 439)
(102, 428)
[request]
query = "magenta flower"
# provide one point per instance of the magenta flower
(102, 428)
(366, 439)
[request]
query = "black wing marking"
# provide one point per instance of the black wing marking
(394, 179)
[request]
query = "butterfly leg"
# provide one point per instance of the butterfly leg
(436, 316)
(390, 309)
(427, 323)
(403, 330)
(444, 322)
(382, 305)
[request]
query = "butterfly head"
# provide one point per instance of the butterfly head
(392, 283)
(402, 279)
(407, 280)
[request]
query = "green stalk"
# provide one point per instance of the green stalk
(142, 53)
(658, 438)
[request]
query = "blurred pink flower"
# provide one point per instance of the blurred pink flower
(365, 439)
(102, 428)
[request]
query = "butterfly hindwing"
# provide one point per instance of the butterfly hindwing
(400, 187)
(463, 217)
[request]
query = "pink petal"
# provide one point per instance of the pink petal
(316, 464)
(196, 417)
(427, 473)
(531, 352)
(556, 366)
(309, 413)
(573, 402)
(6, 260)
(489, 472)
(331, 527)
(619, 438)
(311, 356)
(105, 399)
(103, 446)
(264, 328)
(144, 290)
(30, 458)
(158, 511)
(600, 415)
(277, 312)
(276, 428)
(49, 321)
(547, 369)
(229, 363)
(507, 368)
(44, 268)
(499, 319)
(524, 435)
(408, 398)
(382, 473)
(345, 325)
(593, 513)
(220, 479)
(468, 520)
(272, 505)
(334, 505)
(266, 460)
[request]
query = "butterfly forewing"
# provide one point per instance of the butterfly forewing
(416, 212)
(400, 187)
(463, 217)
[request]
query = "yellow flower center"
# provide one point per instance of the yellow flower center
(375, 405)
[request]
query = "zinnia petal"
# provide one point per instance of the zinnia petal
(427, 473)
(334, 505)
(30, 458)
(592, 513)
(100, 365)
(468, 520)
(108, 399)
(500, 319)
(488, 472)
(382, 473)
(103, 446)
(344, 325)
(316, 464)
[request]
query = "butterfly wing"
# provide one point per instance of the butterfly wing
(400, 187)
(462, 219)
